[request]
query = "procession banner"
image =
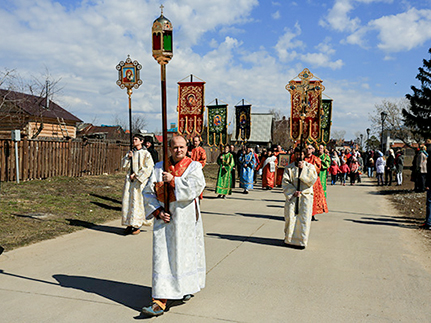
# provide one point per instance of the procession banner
(311, 128)
(326, 120)
(217, 124)
(190, 108)
(243, 122)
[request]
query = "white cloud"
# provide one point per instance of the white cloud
(323, 57)
(403, 31)
(400, 32)
(276, 15)
(338, 17)
(286, 42)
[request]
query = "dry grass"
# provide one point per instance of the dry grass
(39, 210)
(409, 203)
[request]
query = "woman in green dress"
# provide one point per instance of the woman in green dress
(224, 179)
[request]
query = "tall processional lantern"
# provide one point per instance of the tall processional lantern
(162, 53)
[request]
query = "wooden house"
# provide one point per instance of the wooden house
(103, 132)
(35, 117)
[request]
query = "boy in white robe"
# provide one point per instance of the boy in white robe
(133, 212)
(297, 226)
(178, 242)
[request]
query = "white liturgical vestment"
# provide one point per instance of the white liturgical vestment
(178, 246)
(133, 212)
(297, 226)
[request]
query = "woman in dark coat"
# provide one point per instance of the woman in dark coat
(390, 168)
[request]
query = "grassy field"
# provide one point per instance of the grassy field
(43, 209)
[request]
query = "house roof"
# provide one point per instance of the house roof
(111, 132)
(261, 127)
(35, 106)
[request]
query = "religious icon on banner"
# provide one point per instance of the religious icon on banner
(306, 96)
(129, 74)
(283, 160)
(243, 121)
(326, 120)
(217, 124)
(190, 108)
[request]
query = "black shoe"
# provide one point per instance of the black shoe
(187, 297)
(313, 218)
(245, 192)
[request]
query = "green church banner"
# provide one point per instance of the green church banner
(217, 124)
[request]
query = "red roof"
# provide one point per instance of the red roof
(159, 138)
(36, 106)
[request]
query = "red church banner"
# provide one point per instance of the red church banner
(310, 112)
(190, 108)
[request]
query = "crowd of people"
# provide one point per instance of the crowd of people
(178, 242)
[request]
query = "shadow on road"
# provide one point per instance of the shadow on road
(281, 201)
(130, 295)
(96, 227)
(401, 222)
(277, 206)
(262, 216)
(357, 213)
(258, 240)
(216, 213)
(391, 192)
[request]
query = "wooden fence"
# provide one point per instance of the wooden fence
(42, 159)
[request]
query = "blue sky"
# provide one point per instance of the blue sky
(365, 51)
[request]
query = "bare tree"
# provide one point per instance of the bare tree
(338, 136)
(43, 87)
(138, 122)
(276, 113)
(393, 121)
(281, 129)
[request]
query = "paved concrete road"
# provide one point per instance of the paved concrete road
(363, 264)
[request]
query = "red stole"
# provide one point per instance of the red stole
(177, 170)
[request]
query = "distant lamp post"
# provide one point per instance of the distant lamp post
(162, 53)
(383, 116)
(362, 137)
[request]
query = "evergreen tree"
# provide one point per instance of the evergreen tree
(418, 116)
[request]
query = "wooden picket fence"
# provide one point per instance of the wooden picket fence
(42, 159)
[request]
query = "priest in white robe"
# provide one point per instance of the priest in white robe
(297, 226)
(178, 242)
(139, 165)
